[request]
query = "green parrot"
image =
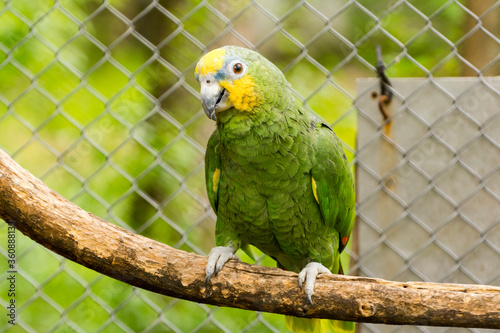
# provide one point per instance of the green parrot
(276, 176)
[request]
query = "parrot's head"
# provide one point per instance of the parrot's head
(235, 77)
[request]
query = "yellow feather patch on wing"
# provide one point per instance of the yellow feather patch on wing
(242, 94)
(315, 192)
(211, 62)
(215, 180)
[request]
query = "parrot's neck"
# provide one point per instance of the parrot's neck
(260, 122)
(262, 138)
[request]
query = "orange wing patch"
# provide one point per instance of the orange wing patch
(344, 240)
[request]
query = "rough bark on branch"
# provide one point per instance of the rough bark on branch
(56, 223)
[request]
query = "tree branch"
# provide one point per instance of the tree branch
(56, 223)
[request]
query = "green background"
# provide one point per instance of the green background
(99, 100)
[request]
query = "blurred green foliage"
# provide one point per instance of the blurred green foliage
(98, 99)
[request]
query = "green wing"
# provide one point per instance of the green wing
(333, 184)
(212, 170)
(212, 179)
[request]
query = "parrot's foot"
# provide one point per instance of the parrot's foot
(308, 275)
(217, 257)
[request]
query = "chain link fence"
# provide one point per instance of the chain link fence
(99, 100)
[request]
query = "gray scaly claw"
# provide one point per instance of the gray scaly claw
(308, 275)
(217, 257)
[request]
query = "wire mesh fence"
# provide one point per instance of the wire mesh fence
(99, 100)
(428, 199)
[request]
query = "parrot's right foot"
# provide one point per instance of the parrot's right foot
(307, 278)
(217, 257)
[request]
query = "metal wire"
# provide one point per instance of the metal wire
(131, 149)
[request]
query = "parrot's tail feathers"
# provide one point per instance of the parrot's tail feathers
(341, 270)
(307, 325)
(342, 326)
(248, 250)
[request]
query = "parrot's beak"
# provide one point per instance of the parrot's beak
(214, 98)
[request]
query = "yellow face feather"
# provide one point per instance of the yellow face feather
(242, 93)
(211, 62)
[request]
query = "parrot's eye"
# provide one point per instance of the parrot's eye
(237, 68)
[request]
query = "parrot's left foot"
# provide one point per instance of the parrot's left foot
(308, 275)
(217, 257)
